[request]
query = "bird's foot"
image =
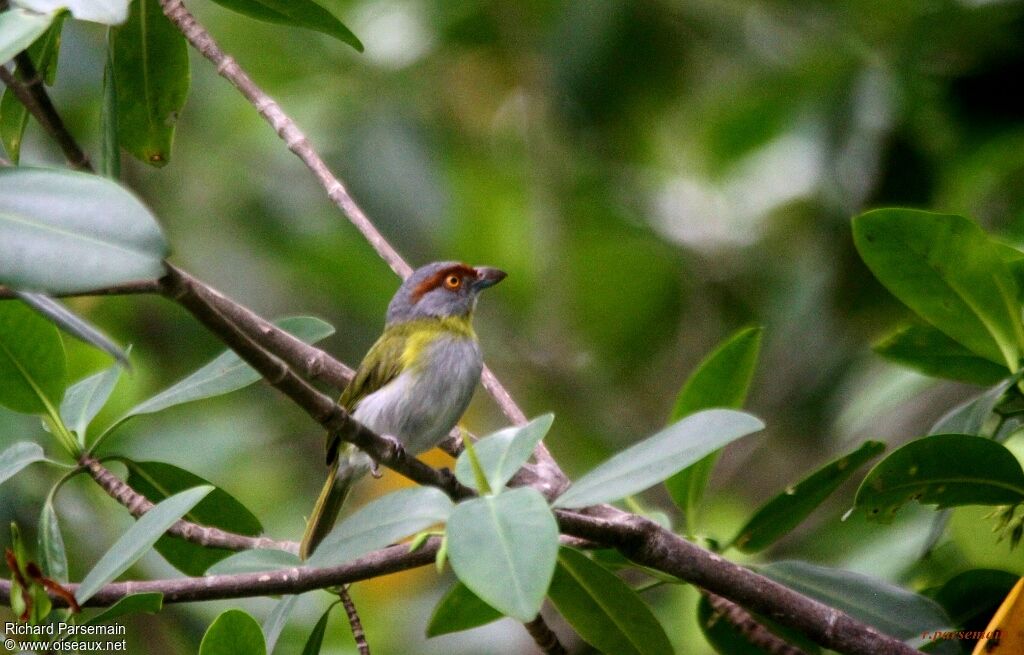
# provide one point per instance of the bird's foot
(393, 451)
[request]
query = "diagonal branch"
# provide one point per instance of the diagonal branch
(754, 632)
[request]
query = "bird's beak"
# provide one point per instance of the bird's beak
(488, 277)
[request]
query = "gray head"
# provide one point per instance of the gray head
(440, 290)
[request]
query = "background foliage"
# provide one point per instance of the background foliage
(653, 175)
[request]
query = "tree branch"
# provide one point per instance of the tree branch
(354, 622)
(748, 626)
(137, 505)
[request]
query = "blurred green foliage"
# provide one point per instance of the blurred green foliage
(653, 174)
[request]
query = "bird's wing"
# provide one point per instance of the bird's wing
(382, 364)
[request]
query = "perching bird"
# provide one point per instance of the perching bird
(414, 383)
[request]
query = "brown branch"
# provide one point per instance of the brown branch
(544, 637)
(137, 505)
(358, 634)
(27, 84)
(295, 580)
(748, 626)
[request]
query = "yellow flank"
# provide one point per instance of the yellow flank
(421, 334)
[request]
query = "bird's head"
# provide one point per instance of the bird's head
(441, 290)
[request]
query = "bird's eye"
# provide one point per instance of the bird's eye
(453, 282)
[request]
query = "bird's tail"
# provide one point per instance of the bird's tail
(340, 476)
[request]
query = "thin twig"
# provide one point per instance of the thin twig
(358, 634)
(137, 505)
(749, 627)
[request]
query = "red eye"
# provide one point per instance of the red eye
(453, 282)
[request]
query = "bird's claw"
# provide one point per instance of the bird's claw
(393, 450)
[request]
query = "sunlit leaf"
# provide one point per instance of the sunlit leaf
(233, 633)
(158, 480)
(787, 510)
(504, 549)
(946, 470)
(657, 457)
(946, 269)
(65, 232)
(151, 76)
(721, 380)
(380, 523)
(503, 453)
(603, 609)
(139, 538)
(301, 13)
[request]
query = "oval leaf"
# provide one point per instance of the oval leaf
(233, 633)
(18, 29)
(891, 609)
(946, 470)
(787, 510)
(301, 13)
(504, 549)
(157, 481)
(227, 372)
(151, 78)
(603, 609)
(17, 457)
(503, 453)
(460, 609)
(381, 523)
(657, 457)
(929, 351)
(949, 272)
(32, 366)
(67, 232)
(721, 380)
(134, 543)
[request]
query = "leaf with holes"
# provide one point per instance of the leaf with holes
(946, 470)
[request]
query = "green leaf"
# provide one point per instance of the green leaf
(971, 598)
(32, 368)
(946, 269)
(151, 76)
(17, 457)
(503, 453)
(381, 523)
(134, 543)
(66, 232)
(18, 29)
(107, 12)
(219, 509)
(227, 372)
(891, 609)
(504, 549)
(460, 609)
(13, 114)
(946, 470)
(146, 603)
(255, 561)
(85, 398)
(970, 417)
(110, 146)
(301, 13)
(929, 351)
(73, 324)
(276, 620)
(233, 633)
(316, 637)
(51, 544)
(721, 380)
(657, 457)
(603, 609)
(787, 510)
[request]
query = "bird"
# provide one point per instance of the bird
(414, 383)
